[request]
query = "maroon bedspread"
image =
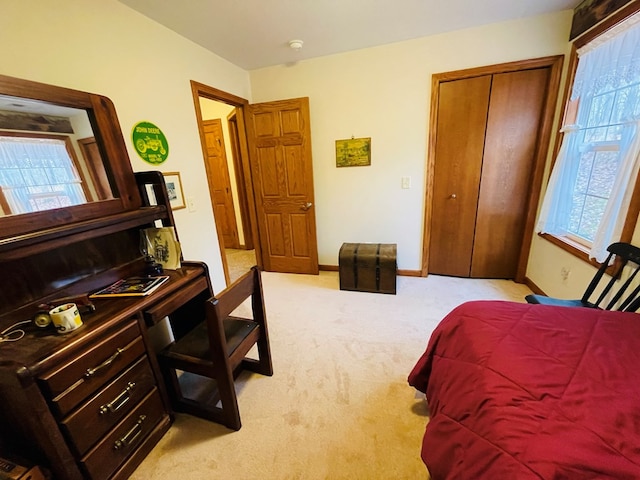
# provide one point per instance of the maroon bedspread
(520, 391)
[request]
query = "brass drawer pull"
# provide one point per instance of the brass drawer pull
(92, 371)
(131, 435)
(118, 402)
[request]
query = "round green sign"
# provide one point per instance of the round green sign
(150, 143)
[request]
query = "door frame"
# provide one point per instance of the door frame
(555, 64)
(238, 168)
(244, 182)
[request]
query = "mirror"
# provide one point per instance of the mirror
(49, 158)
(62, 158)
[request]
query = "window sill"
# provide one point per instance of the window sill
(574, 248)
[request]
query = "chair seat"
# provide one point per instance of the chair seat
(196, 343)
(557, 302)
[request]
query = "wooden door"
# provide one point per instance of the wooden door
(486, 145)
(219, 183)
(461, 124)
(513, 123)
(279, 138)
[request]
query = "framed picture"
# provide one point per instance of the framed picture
(174, 188)
(354, 152)
(590, 12)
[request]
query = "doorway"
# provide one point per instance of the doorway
(221, 126)
(274, 181)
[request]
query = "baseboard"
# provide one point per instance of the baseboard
(534, 288)
(328, 268)
(410, 273)
(402, 273)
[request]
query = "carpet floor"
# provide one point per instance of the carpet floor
(338, 405)
(239, 261)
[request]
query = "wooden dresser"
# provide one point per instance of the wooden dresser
(89, 404)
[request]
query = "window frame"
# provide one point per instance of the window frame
(569, 111)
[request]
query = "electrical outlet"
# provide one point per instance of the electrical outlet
(191, 202)
(564, 274)
(406, 182)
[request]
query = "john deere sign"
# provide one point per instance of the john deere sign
(150, 143)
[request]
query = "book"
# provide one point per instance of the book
(131, 287)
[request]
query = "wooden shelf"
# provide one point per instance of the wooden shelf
(44, 240)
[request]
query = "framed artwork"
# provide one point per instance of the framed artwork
(174, 188)
(353, 152)
(590, 12)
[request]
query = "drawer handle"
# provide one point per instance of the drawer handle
(117, 403)
(92, 371)
(131, 435)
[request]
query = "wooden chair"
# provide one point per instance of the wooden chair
(216, 349)
(608, 299)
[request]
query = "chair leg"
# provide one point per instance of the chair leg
(228, 415)
(172, 384)
(228, 398)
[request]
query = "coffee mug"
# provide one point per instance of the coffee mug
(66, 318)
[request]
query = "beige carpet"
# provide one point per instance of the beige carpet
(239, 262)
(338, 405)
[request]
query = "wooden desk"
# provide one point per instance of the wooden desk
(92, 403)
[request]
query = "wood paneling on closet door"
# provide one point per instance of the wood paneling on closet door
(513, 124)
(462, 113)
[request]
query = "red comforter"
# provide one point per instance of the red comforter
(520, 391)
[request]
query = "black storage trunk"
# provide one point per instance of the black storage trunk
(368, 267)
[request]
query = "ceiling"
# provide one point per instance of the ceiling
(256, 33)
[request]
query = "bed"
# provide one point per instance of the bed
(519, 391)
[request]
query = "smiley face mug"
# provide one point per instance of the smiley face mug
(66, 318)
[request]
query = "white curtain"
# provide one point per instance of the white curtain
(29, 166)
(556, 211)
(611, 65)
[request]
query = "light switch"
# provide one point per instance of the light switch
(192, 204)
(406, 182)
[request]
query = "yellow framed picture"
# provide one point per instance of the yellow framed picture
(353, 152)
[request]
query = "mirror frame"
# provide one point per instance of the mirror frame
(110, 141)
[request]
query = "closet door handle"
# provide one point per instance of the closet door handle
(453, 196)
(306, 206)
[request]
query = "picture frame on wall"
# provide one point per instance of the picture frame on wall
(174, 189)
(353, 152)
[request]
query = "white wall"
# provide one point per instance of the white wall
(107, 48)
(384, 93)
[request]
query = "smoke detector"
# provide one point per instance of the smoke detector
(296, 44)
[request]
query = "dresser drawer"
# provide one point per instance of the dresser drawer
(119, 443)
(73, 382)
(100, 413)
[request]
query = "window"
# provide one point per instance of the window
(37, 174)
(594, 177)
(599, 142)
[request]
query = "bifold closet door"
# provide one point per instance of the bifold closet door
(461, 125)
(513, 125)
(487, 132)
